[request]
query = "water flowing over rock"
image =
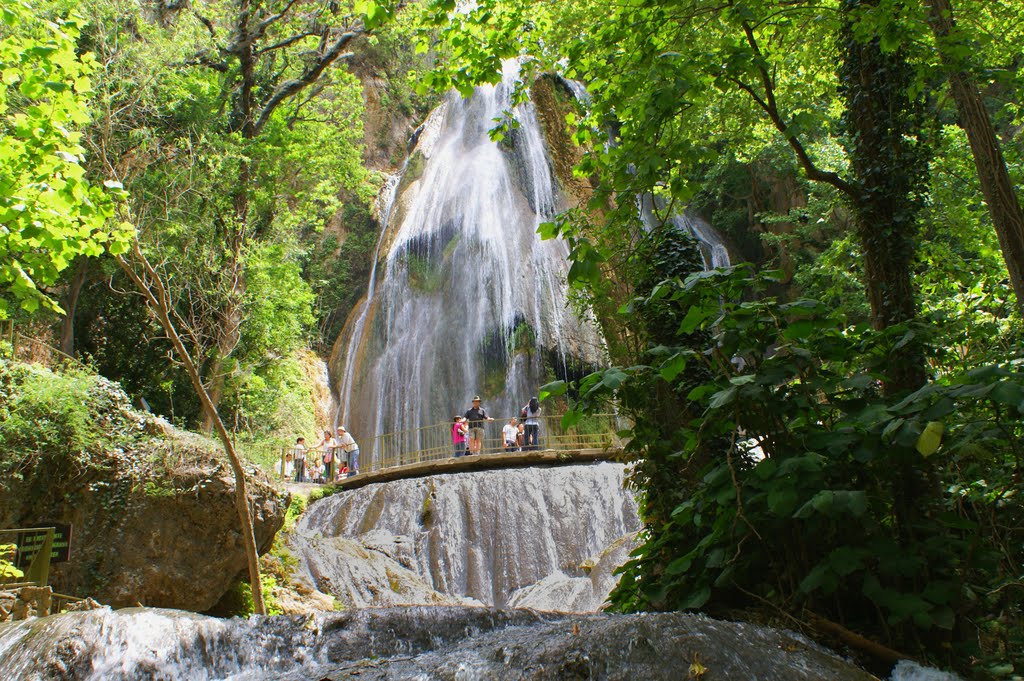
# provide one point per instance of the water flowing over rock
(407, 643)
(545, 538)
(466, 298)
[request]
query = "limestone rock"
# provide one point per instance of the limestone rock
(153, 515)
(440, 642)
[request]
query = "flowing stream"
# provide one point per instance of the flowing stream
(423, 643)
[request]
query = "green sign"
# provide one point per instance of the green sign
(30, 541)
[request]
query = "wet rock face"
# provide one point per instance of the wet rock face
(403, 643)
(547, 538)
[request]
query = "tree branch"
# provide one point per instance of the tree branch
(290, 88)
(770, 106)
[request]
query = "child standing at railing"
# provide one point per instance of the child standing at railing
(459, 430)
(508, 434)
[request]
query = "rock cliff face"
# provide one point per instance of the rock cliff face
(166, 538)
(547, 538)
(152, 510)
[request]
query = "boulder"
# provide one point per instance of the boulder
(152, 509)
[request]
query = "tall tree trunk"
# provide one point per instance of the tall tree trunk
(149, 283)
(889, 163)
(1002, 201)
(889, 159)
(242, 122)
(69, 301)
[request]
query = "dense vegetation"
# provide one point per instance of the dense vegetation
(832, 436)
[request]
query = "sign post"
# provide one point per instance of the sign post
(40, 546)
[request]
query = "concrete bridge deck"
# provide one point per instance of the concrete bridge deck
(479, 462)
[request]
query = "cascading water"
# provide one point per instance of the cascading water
(385, 203)
(545, 538)
(712, 248)
(425, 643)
(469, 299)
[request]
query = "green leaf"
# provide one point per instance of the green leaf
(553, 389)
(930, 439)
(782, 501)
(696, 599)
(723, 397)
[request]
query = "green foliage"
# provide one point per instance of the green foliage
(238, 601)
(63, 415)
(7, 569)
(806, 486)
(60, 429)
(232, 209)
(49, 212)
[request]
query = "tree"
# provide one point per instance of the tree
(271, 53)
(149, 283)
(49, 211)
(684, 80)
(173, 134)
(1000, 194)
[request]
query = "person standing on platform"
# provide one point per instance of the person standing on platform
(476, 417)
(459, 430)
(322, 462)
(531, 412)
(299, 459)
(348, 444)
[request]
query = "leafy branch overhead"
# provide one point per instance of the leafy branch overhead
(50, 212)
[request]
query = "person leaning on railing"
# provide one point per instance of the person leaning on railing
(348, 444)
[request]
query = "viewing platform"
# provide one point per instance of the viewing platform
(429, 450)
(479, 462)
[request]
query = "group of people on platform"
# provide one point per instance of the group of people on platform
(519, 434)
(337, 456)
(333, 458)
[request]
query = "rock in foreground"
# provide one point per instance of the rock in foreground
(403, 643)
(151, 509)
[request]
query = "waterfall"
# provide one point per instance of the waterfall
(709, 241)
(545, 538)
(385, 203)
(466, 298)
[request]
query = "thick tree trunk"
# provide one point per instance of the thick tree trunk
(1002, 201)
(152, 287)
(890, 164)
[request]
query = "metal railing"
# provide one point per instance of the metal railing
(434, 442)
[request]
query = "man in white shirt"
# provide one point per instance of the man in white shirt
(348, 444)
